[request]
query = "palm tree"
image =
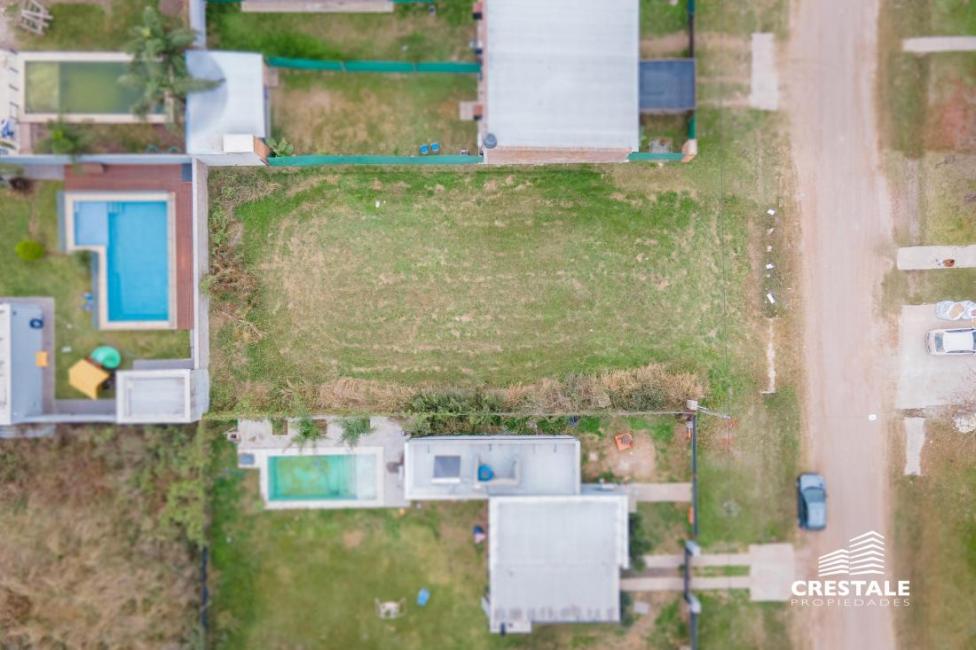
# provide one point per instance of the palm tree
(158, 66)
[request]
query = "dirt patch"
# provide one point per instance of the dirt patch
(951, 122)
(353, 538)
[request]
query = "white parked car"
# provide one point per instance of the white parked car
(954, 341)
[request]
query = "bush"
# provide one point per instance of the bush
(29, 250)
(66, 139)
(354, 428)
(454, 412)
(308, 431)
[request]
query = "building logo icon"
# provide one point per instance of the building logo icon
(853, 576)
(864, 556)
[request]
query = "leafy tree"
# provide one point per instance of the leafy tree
(158, 65)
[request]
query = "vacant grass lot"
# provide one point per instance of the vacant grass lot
(463, 278)
(350, 113)
(94, 550)
(935, 534)
(410, 33)
(66, 278)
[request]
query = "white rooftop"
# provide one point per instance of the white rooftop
(154, 396)
(556, 559)
(447, 467)
(562, 73)
(21, 379)
(234, 108)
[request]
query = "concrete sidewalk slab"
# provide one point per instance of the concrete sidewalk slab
(914, 442)
(659, 492)
(923, 258)
(764, 79)
(933, 44)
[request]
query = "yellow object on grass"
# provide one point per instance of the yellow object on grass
(87, 377)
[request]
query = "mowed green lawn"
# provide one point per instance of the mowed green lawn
(469, 277)
(66, 278)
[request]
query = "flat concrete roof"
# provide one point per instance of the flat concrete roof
(562, 74)
(556, 559)
(21, 379)
(235, 107)
(446, 467)
(153, 396)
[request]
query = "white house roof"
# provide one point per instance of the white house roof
(562, 73)
(556, 559)
(446, 467)
(236, 107)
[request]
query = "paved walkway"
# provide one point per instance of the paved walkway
(914, 442)
(771, 572)
(931, 44)
(659, 492)
(921, 258)
(764, 82)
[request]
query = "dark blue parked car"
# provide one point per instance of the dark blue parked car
(811, 501)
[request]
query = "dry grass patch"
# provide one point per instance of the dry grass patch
(93, 551)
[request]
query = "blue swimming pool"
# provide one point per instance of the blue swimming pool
(135, 235)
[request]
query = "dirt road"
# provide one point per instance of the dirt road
(845, 214)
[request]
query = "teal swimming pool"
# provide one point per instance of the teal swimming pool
(135, 238)
(322, 477)
(77, 88)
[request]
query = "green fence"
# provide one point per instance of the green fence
(447, 67)
(645, 156)
(316, 160)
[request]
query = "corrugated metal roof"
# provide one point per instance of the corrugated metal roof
(556, 559)
(562, 73)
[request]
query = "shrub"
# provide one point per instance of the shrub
(308, 431)
(455, 412)
(280, 147)
(354, 428)
(29, 250)
(66, 139)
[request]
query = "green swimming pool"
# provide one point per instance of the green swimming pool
(322, 477)
(77, 87)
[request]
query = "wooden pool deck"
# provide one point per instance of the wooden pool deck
(150, 178)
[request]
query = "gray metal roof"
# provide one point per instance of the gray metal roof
(562, 73)
(446, 467)
(556, 559)
(667, 86)
(21, 380)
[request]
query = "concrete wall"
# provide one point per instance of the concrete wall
(200, 340)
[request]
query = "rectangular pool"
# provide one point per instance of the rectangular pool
(132, 237)
(79, 86)
(322, 477)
